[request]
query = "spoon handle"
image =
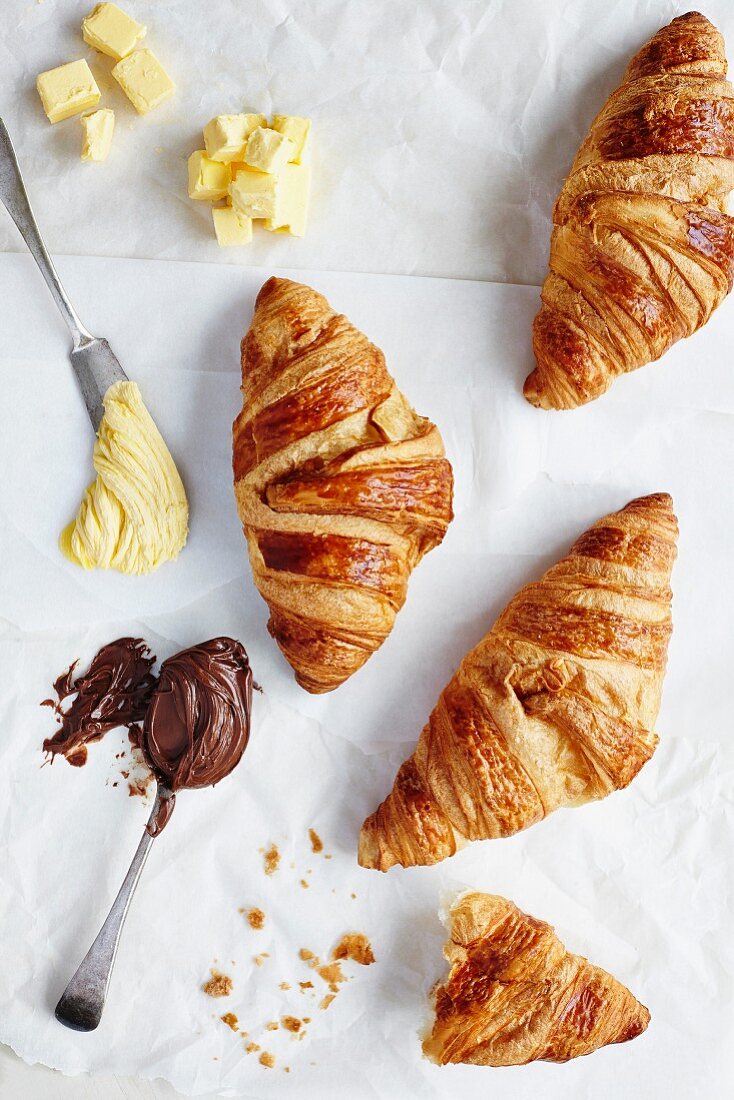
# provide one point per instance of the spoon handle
(81, 1004)
(15, 199)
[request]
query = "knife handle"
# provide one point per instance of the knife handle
(15, 199)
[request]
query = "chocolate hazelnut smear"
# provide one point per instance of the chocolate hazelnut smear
(196, 716)
(114, 691)
(197, 724)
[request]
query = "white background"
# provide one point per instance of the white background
(442, 134)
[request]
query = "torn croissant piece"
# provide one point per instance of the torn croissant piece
(555, 706)
(341, 486)
(642, 249)
(516, 995)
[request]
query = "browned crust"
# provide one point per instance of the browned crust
(555, 706)
(515, 994)
(341, 487)
(642, 251)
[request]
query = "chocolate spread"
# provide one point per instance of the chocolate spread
(197, 725)
(115, 691)
(195, 714)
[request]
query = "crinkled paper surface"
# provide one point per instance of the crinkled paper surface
(640, 883)
(443, 128)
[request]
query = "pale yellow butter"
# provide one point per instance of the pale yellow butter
(110, 30)
(254, 193)
(67, 90)
(231, 227)
(98, 129)
(134, 515)
(291, 207)
(208, 179)
(268, 150)
(143, 80)
(225, 137)
(299, 132)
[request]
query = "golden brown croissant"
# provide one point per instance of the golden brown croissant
(554, 707)
(341, 487)
(516, 995)
(642, 249)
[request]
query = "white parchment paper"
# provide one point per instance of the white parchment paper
(641, 883)
(443, 128)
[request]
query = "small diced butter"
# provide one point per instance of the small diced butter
(111, 31)
(291, 207)
(143, 80)
(67, 90)
(299, 131)
(254, 193)
(268, 150)
(208, 179)
(231, 227)
(98, 130)
(226, 136)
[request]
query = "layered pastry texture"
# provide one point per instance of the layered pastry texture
(134, 516)
(515, 994)
(642, 250)
(341, 486)
(556, 705)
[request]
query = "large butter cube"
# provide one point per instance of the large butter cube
(143, 80)
(208, 179)
(67, 90)
(268, 150)
(98, 130)
(231, 227)
(299, 132)
(225, 137)
(254, 193)
(111, 31)
(291, 207)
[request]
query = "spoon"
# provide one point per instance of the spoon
(92, 359)
(82, 1002)
(196, 728)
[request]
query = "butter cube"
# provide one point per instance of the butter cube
(208, 179)
(143, 80)
(291, 207)
(299, 131)
(67, 90)
(268, 150)
(111, 31)
(225, 136)
(231, 227)
(98, 130)
(254, 193)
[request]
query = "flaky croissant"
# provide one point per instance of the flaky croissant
(554, 707)
(516, 995)
(642, 249)
(341, 487)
